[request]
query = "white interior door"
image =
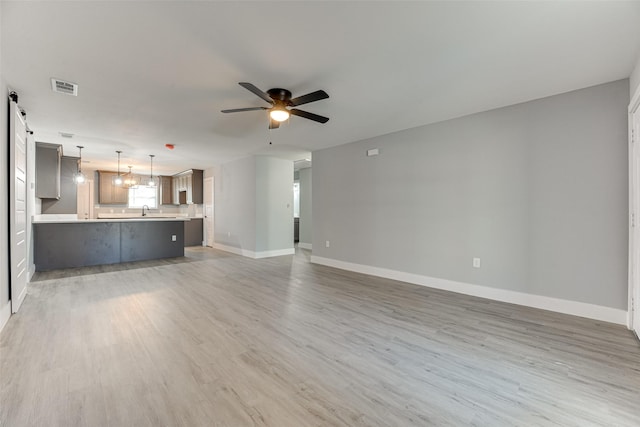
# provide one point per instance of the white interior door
(17, 205)
(208, 211)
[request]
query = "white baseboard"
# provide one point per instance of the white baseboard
(5, 313)
(575, 308)
(252, 254)
(304, 245)
(278, 252)
(30, 272)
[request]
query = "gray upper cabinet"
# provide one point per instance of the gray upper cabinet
(48, 162)
(68, 201)
(197, 179)
(187, 187)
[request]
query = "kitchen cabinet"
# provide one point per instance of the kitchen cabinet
(109, 194)
(179, 186)
(187, 187)
(166, 190)
(197, 185)
(67, 203)
(48, 164)
(99, 242)
(193, 233)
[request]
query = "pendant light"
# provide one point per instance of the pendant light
(152, 181)
(130, 180)
(117, 180)
(79, 177)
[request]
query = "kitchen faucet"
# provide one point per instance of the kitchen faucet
(144, 206)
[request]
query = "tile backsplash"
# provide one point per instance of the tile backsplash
(189, 210)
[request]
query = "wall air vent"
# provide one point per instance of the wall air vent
(61, 86)
(66, 135)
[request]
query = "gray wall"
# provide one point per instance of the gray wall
(235, 204)
(634, 80)
(537, 190)
(306, 215)
(68, 202)
(4, 209)
(274, 204)
(254, 204)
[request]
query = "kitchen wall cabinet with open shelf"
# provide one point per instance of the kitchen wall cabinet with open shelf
(187, 187)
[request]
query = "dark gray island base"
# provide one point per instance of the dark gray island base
(86, 243)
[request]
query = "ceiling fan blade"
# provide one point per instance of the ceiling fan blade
(308, 115)
(237, 110)
(310, 97)
(255, 90)
(273, 124)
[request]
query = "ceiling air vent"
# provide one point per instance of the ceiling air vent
(61, 86)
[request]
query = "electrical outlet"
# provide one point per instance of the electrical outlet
(476, 262)
(327, 244)
(173, 238)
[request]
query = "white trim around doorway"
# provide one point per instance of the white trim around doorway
(633, 313)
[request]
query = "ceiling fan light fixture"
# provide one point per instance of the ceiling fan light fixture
(279, 114)
(280, 99)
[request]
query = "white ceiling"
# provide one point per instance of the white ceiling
(152, 73)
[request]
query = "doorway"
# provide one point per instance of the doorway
(634, 206)
(85, 199)
(208, 212)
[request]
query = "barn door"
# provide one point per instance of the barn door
(17, 205)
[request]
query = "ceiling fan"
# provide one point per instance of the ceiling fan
(280, 100)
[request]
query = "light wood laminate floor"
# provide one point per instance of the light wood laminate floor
(215, 339)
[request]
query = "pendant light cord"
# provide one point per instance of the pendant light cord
(80, 147)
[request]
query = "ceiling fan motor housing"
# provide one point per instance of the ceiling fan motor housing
(278, 94)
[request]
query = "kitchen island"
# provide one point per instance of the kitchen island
(65, 243)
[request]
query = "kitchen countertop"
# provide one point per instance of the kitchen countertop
(71, 219)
